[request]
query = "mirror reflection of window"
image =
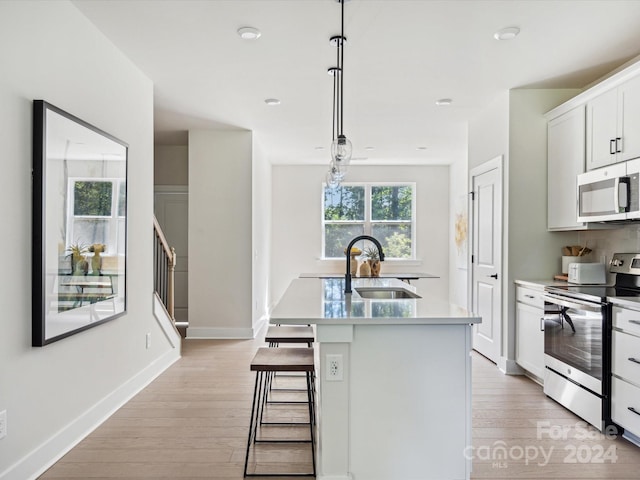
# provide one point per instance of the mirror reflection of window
(98, 213)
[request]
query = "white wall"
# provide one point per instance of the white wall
(489, 132)
(55, 394)
(297, 230)
(171, 165)
(220, 234)
(605, 243)
(261, 234)
(458, 197)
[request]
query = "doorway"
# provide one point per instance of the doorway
(486, 257)
(171, 207)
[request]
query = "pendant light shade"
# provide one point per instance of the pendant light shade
(341, 151)
(341, 148)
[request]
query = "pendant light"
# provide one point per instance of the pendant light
(341, 148)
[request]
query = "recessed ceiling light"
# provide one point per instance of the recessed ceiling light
(421, 148)
(272, 101)
(249, 33)
(443, 102)
(369, 148)
(508, 33)
(319, 148)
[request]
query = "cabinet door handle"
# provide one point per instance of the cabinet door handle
(530, 296)
(542, 324)
(634, 360)
(633, 410)
(618, 145)
(637, 322)
(612, 146)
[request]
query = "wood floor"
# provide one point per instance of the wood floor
(191, 423)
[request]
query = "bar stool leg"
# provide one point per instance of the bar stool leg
(251, 430)
(312, 420)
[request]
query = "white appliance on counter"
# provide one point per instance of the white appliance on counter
(587, 274)
(610, 193)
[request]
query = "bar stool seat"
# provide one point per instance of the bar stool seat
(265, 363)
(277, 334)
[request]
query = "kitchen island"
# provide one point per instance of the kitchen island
(398, 405)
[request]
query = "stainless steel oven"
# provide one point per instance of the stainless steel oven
(577, 339)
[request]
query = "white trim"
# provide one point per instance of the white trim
(171, 189)
(166, 323)
(335, 477)
(509, 367)
(260, 324)
(32, 465)
(219, 333)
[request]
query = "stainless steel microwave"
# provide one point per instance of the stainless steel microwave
(610, 193)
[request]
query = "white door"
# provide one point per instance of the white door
(486, 254)
(171, 205)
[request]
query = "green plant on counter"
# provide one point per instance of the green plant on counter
(371, 253)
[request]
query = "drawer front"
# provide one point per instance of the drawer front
(623, 397)
(531, 297)
(627, 320)
(626, 356)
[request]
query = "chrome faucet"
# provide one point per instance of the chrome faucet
(347, 277)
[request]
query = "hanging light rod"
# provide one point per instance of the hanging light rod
(341, 148)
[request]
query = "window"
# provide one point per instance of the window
(97, 213)
(384, 211)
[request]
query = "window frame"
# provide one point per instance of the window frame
(114, 220)
(368, 221)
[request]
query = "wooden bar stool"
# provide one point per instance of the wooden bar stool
(277, 334)
(266, 362)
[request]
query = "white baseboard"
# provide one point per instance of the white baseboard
(219, 333)
(509, 367)
(39, 460)
(260, 324)
(335, 477)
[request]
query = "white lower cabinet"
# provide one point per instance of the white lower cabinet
(625, 369)
(529, 330)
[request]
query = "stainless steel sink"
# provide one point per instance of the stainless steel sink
(385, 293)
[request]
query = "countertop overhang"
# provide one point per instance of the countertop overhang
(322, 301)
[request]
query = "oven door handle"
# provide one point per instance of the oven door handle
(563, 302)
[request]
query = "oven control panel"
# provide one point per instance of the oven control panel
(628, 263)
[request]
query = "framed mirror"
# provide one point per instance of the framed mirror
(79, 225)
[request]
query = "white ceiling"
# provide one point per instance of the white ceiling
(400, 57)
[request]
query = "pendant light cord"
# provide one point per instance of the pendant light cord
(341, 53)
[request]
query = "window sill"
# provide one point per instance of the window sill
(388, 263)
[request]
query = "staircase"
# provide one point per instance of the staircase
(164, 263)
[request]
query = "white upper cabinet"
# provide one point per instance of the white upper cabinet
(613, 122)
(629, 106)
(565, 160)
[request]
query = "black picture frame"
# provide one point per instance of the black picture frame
(79, 225)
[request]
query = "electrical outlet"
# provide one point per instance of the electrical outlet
(3, 424)
(334, 368)
(148, 341)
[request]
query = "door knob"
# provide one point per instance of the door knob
(495, 275)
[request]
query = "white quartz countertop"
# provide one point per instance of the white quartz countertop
(540, 284)
(323, 301)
